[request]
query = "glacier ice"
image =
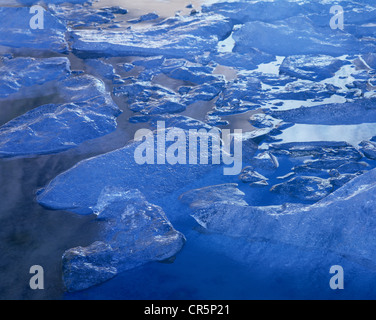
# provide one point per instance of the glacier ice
(319, 149)
(151, 62)
(265, 161)
(19, 73)
(370, 59)
(204, 92)
(264, 65)
(340, 180)
(194, 75)
(78, 189)
(224, 194)
(148, 98)
(249, 175)
(311, 67)
(262, 120)
(342, 222)
(266, 11)
(369, 149)
(356, 112)
(248, 61)
(321, 167)
(84, 267)
(145, 17)
(178, 37)
(171, 120)
(77, 15)
(15, 31)
(134, 232)
(322, 159)
(297, 35)
(238, 96)
(102, 68)
(304, 188)
(88, 112)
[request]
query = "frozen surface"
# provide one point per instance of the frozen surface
(134, 232)
(183, 37)
(19, 73)
(296, 35)
(322, 225)
(90, 113)
(314, 68)
(78, 15)
(305, 188)
(303, 93)
(369, 149)
(248, 175)
(15, 31)
(119, 169)
(268, 11)
(148, 99)
(357, 112)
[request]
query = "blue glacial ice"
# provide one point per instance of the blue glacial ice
(224, 194)
(238, 96)
(15, 31)
(370, 59)
(317, 149)
(83, 15)
(134, 232)
(179, 37)
(20, 73)
(119, 169)
(87, 113)
(152, 62)
(145, 17)
(369, 149)
(248, 61)
(352, 112)
(249, 175)
(322, 160)
(196, 75)
(311, 67)
(305, 188)
(295, 36)
(321, 225)
(274, 68)
(266, 11)
(102, 69)
(265, 161)
(290, 28)
(171, 120)
(148, 98)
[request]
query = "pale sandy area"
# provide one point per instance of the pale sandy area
(164, 8)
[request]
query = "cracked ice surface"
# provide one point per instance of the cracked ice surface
(135, 232)
(26, 72)
(90, 113)
(15, 31)
(119, 169)
(304, 93)
(321, 225)
(182, 37)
